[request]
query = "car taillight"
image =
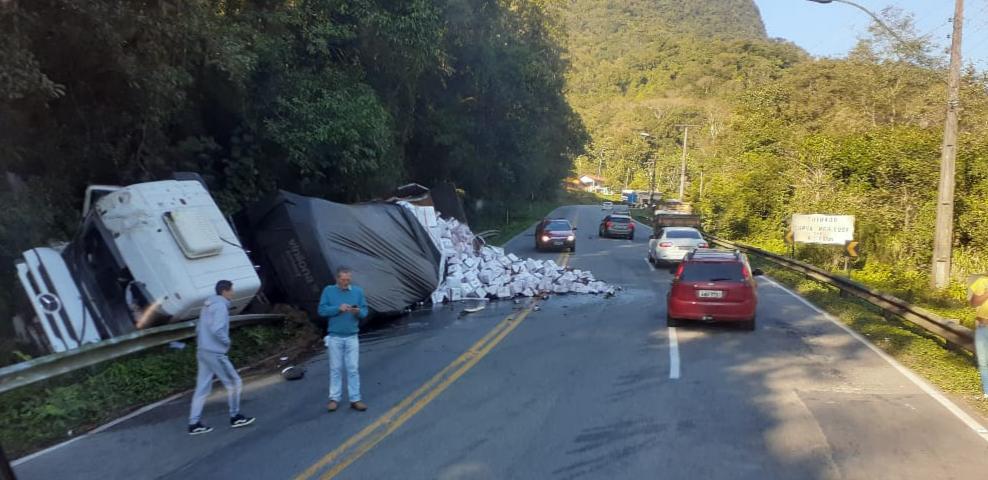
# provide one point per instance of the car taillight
(608, 225)
(679, 270)
(665, 244)
(631, 226)
(745, 273)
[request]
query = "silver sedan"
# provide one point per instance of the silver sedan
(671, 244)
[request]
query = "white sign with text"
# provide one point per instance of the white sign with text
(822, 229)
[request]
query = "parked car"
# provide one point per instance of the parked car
(713, 286)
(607, 205)
(617, 226)
(555, 233)
(672, 244)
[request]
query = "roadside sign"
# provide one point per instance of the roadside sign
(823, 229)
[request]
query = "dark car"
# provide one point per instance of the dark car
(713, 286)
(617, 226)
(555, 233)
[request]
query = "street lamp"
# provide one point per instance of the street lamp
(651, 183)
(876, 18)
(944, 230)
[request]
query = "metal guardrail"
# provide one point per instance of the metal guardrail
(49, 366)
(949, 329)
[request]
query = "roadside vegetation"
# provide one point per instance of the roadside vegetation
(778, 132)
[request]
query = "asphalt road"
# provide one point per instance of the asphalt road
(583, 387)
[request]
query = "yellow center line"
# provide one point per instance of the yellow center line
(373, 434)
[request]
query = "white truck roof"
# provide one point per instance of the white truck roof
(174, 238)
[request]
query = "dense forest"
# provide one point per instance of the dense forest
(337, 98)
(779, 132)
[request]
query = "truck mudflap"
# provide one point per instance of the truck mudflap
(64, 319)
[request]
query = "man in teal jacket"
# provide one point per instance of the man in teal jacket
(344, 306)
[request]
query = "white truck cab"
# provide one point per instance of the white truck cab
(145, 254)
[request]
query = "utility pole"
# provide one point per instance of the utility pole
(651, 183)
(944, 233)
(682, 171)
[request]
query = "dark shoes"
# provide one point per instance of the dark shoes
(198, 429)
(358, 406)
(240, 421)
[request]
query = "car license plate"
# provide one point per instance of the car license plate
(710, 294)
(557, 242)
(686, 248)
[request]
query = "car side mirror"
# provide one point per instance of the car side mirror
(757, 272)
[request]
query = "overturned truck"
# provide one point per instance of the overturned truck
(300, 242)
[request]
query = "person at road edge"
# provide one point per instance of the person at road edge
(978, 294)
(343, 305)
(212, 344)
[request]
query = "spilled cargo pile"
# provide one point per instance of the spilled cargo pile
(476, 271)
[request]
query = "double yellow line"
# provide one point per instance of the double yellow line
(361, 443)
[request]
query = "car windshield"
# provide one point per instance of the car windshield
(558, 225)
(712, 272)
(683, 234)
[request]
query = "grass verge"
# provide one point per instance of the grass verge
(46, 413)
(951, 370)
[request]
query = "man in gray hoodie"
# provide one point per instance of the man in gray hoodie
(213, 340)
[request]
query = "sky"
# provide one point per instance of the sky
(831, 30)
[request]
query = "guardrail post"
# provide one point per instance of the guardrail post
(6, 472)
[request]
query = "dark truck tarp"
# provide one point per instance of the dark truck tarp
(300, 241)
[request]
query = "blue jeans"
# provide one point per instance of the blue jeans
(981, 347)
(344, 353)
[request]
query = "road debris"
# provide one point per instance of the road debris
(476, 271)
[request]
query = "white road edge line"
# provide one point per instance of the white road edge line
(99, 429)
(673, 354)
(925, 386)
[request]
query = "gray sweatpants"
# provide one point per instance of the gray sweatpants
(219, 366)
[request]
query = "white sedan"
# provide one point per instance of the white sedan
(606, 205)
(671, 244)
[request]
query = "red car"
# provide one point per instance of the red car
(713, 286)
(555, 233)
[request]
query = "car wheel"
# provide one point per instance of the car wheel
(572, 249)
(749, 325)
(600, 233)
(671, 322)
(631, 237)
